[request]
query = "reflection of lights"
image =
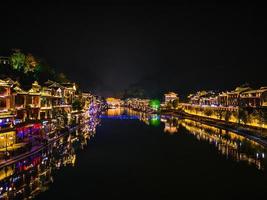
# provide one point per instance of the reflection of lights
(155, 120)
(228, 143)
(170, 129)
(121, 117)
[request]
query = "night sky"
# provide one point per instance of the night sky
(108, 47)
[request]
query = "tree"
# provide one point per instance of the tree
(220, 114)
(243, 116)
(227, 115)
(30, 63)
(43, 72)
(236, 116)
(17, 60)
(27, 68)
(260, 116)
(264, 116)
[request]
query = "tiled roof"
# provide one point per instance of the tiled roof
(55, 85)
(18, 90)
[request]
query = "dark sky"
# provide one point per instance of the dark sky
(107, 47)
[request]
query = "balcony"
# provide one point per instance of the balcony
(62, 106)
(20, 107)
(33, 105)
(46, 107)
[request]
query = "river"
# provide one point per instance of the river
(131, 155)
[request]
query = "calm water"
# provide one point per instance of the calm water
(133, 155)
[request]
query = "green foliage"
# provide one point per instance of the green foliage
(227, 115)
(264, 116)
(220, 114)
(259, 115)
(243, 116)
(30, 63)
(256, 115)
(27, 68)
(236, 115)
(17, 60)
(43, 73)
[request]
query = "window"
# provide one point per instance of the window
(2, 103)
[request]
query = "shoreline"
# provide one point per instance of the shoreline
(246, 131)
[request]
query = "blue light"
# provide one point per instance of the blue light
(120, 117)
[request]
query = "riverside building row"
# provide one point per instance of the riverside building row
(25, 114)
(240, 97)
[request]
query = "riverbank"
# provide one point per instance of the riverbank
(256, 134)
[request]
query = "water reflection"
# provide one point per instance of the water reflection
(129, 114)
(227, 143)
(30, 176)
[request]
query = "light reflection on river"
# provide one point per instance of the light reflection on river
(33, 175)
(228, 144)
(162, 156)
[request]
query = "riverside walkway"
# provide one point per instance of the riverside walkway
(248, 132)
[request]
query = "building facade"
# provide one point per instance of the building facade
(24, 113)
(240, 97)
(170, 97)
